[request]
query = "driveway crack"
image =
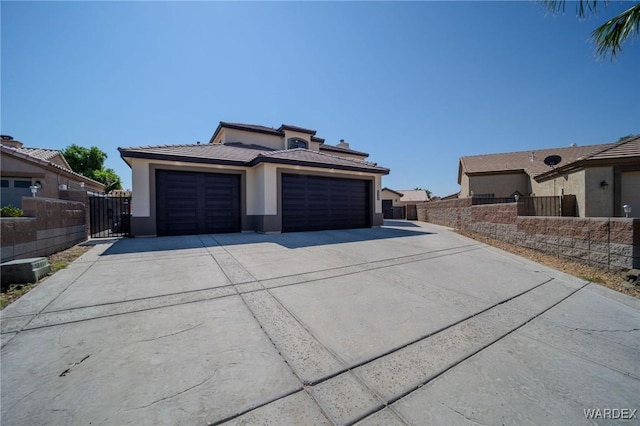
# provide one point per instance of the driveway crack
(463, 415)
(172, 334)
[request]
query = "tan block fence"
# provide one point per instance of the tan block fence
(608, 243)
(48, 226)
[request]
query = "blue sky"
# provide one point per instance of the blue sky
(415, 84)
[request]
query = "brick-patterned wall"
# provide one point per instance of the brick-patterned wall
(49, 225)
(609, 243)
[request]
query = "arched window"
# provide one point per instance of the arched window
(296, 143)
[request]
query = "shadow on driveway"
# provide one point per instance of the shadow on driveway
(291, 240)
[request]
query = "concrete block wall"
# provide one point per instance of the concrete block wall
(608, 243)
(49, 225)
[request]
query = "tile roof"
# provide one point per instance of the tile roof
(626, 148)
(42, 154)
(304, 156)
(43, 157)
(248, 155)
(228, 153)
(296, 129)
(531, 162)
(391, 190)
(334, 148)
(413, 195)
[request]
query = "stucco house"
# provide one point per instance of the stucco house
(252, 177)
(46, 169)
(602, 177)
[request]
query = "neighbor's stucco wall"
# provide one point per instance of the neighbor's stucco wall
(630, 192)
(568, 184)
(388, 195)
(598, 201)
(50, 180)
(501, 185)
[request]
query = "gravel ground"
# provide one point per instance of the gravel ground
(612, 280)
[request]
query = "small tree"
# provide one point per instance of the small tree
(90, 163)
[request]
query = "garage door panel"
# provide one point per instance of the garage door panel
(197, 203)
(315, 203)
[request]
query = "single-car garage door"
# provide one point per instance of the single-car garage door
(311, 203)
(197, 203)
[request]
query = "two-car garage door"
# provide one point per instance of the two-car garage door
(311, 203)
(197, 203)
(206, 203)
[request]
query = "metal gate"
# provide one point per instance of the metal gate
(109, 216)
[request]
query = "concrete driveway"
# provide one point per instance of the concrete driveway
(405, 324)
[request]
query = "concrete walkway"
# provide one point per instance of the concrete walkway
(405, 324)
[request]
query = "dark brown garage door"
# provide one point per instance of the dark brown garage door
(311, 203)
(197, 203)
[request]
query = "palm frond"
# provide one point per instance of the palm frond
(610, 35)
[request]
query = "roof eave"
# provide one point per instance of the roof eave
(167, 157)
(354, 168)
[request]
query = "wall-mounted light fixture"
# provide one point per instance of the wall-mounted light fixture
(604, 184)
(627, 210)
(34, 189)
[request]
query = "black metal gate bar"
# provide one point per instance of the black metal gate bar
(109, 216)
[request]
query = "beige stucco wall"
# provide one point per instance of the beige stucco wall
(598, 201)
(234, 135)
(630, 192)
(388, 195)
(49, 178)
(501, 185)
(261, 195)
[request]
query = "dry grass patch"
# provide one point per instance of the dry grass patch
(605, 278)
(58, 261)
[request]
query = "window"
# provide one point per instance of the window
(296, 143)
(21, 183)
(4, 183)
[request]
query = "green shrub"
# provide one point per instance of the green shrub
(11, 211)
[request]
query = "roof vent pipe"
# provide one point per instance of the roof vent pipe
(9, 141)
(343, 144)
(533, 156)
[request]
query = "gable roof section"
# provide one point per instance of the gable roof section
(296, 129)
(332, 148)
(238, 154)
(305, 157)
(43, 158)
(280, 132)
(391, 190)
(414, 195)
(514, 162)
(625, 152)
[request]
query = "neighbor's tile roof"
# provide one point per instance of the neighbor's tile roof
(413, 195)
(42, 154)
(43, 157)
(624, 149)
(531, 162)
(247, 155)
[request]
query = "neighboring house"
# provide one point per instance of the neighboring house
(602, 177)
(413, 196)
(251, 177)
(45, 169)
(391, 199)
